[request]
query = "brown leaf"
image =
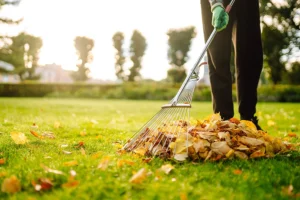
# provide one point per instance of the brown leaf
(257, 154)
(146, 160)
(2, 161)
(291, 134)
(42, 184)
(18, 137)
(80, 144)
(35, 134)
(250, 141)
(11, 185)
(220, 148)
(237, 172)
(71, 183)
(139, 177)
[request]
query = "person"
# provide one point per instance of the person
(241, 27)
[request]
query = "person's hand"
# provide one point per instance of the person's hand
(220, 18)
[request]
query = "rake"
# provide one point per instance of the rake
(157, 137)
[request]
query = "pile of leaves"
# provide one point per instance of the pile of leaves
(211, 139)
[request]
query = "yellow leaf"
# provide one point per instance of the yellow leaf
(271, 123)
(237, 172)
(167, 168)
(140, 151)
(11, 185)
(57, 125)
(18, 137)
(139, 177)
(71, 163)
(82, 151)
(120, 163)
(249, 124)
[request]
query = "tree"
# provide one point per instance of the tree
(84, 48)
(280, 34)
(137, 50)
(294, 73)
(22, 52)
(118, 40)
(179, 45)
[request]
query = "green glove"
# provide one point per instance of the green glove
(220, 18)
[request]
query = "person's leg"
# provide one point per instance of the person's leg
(219, 54)
(249, 56)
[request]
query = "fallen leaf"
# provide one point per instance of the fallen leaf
(220, 148)
(237, 172)
(139, 177)
(291, 134)
(183, 196)
(2, 161)
(18, 137)
(271, 123)
(120, 163)
(67, 152)
(54, 171)
(167, 168)
(288, 190)
(82, 133)
(73, 173)
(11, 185)
(104, 163)
(49, 135)
(96, 155)
(250, 141)
(94, 121)
(80, 144)
(57, 125)
(146, 160)
(3, 174)
(71, 183)
(35, 134)
(181, 157)
(71, 163)
(34, 126)
(42, 184)
(82, 151)
(63, 145)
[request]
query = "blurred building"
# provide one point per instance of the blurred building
(53, 73)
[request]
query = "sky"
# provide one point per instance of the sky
(58, 22)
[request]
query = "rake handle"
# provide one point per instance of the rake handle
(208, 42)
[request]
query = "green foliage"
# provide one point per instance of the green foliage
(83, 47)
(118, 40)
(137, 49)
(294, 73)
(22, 51)
(179, 45)
(116, 122)
(140, 90)
(280, 34)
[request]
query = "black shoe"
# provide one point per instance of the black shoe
(255, 122)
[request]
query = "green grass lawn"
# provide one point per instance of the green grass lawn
(103, 124)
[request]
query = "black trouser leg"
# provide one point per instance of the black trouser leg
(248, 55)
(219, 54)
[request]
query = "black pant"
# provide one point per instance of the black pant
(243, 31)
